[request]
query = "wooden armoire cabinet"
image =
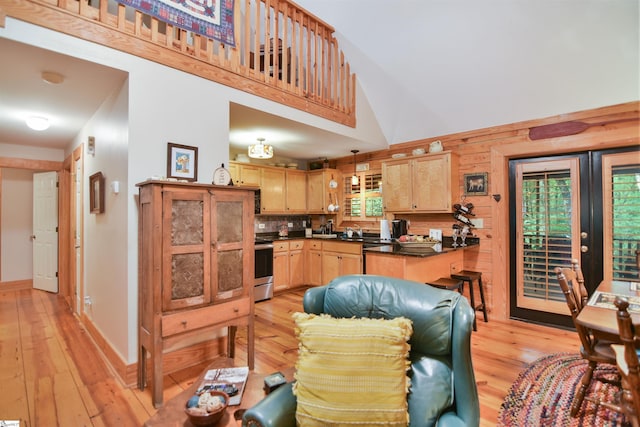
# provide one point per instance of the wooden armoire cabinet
(196, 270)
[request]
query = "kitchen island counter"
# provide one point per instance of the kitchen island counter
(396, 249)
(417, 265)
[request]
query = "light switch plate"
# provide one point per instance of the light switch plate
(477, 222)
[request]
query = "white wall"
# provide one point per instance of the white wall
(17, 225)
(163, 105)
(105, 234)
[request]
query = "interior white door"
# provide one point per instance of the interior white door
(45, 231)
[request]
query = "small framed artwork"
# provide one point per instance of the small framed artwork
(476, 184)
(96, 193)
(182, 162)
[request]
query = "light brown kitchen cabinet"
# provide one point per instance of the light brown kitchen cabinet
(288, 264)
(313, 262)
(280, 265)
(323, 188)
(195, 270)
(296, 191)
(339, 259)
(272, 191)
(425, 184)
(296, 263)
(245, 174)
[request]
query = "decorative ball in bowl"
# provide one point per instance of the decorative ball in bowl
(207, 408)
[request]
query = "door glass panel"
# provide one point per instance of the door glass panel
(546, 217)
(621, 203)
(546, 229)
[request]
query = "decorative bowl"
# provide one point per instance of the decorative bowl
(417, 245)
(413, 242)
(200, 416)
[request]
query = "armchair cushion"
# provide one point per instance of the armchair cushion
(351, 371)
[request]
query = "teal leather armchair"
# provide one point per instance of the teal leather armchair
(443, 389)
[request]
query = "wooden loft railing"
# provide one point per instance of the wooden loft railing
(282, 52)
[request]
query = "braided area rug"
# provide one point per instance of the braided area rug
(543, 392)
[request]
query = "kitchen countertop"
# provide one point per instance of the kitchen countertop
(337, 238)
(397, 250)
(384, 246)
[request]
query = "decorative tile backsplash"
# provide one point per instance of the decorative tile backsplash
(272, 224)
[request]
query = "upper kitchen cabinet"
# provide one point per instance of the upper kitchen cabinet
(296, 191)
(272, 191)
(322, 190)
(425, 184)
(244, 174)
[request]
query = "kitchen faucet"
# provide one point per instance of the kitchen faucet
(358, 230)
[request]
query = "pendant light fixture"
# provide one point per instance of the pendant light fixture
(354, 178)
(261, 150)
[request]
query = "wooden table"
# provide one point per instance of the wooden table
(603, 319)
(172, 413)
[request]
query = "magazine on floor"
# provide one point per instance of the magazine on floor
(229, 380)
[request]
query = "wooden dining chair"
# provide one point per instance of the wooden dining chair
(628, 364)
(593, 349)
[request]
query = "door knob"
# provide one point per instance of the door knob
(584, 249)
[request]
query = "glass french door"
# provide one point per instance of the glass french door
(578, 206)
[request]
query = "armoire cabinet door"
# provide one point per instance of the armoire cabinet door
(229, 257)
(185, 248)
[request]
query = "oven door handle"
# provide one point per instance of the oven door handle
(264, 246)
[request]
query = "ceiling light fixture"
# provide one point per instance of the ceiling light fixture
(38, 123)
(261, 150)
(52, 77)
(354, 178)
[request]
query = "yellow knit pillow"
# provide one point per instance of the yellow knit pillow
(351, 371)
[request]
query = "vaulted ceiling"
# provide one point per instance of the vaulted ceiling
(426, 67)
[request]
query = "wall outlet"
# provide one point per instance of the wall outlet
(87, 300)
(290, 225)
(477, 222)
(261, 226)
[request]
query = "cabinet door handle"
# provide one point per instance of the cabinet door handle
(184, 323)
(236, 309)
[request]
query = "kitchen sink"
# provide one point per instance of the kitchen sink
(325, 236)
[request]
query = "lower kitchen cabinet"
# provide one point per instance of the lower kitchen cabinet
(280, 266)
(296, 263)
(313, 267)
(288, 264)
(339, 259)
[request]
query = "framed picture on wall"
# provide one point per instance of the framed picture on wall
(96, 193)
(476, 184)
(182, 162)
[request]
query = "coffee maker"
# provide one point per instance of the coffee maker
(398, 228)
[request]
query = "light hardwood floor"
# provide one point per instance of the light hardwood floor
(52, 374)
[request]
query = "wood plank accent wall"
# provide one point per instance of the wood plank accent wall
(283, 53)
(489, 150)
